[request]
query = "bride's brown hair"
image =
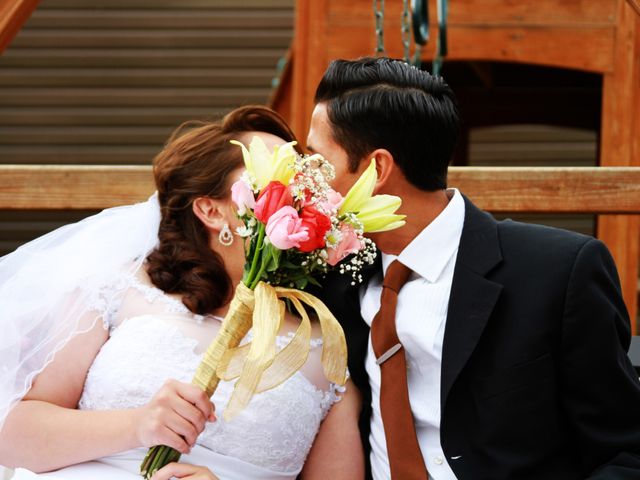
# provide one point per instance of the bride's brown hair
(197, 161)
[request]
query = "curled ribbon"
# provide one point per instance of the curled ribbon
(257, 365)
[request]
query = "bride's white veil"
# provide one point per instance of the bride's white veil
(53, 288)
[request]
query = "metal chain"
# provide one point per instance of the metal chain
(417, 56)
(441, 45)
(405, 29)
(378, 13)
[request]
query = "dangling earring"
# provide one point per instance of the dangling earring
(226, 236)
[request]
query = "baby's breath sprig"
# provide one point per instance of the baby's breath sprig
(366, 256)
(310, 183)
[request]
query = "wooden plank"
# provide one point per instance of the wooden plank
(132, 38)
(567, 154)
(533, 45)
(77, 187)
(571, 14)
(172, 4)
(13, 14)
(147, 19)
(132, 97)
(529, 133)
(139, 57)
(578, 34)
(79, 154)
(620, 146)
(83, 135)
(106, 116)
(137, 77)
(550, 189)
(497, 189)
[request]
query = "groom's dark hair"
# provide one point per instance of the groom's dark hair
(383, 103)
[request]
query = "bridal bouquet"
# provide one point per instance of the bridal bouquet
(296, 228)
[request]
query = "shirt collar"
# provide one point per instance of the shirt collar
(429, 253)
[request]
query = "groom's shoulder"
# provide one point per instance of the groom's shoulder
(520, 236)
(540, 241)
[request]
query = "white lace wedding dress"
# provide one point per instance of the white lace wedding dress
(154, 337)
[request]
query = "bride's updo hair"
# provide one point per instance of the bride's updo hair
(197, 161)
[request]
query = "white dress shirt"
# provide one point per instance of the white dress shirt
(421, 316)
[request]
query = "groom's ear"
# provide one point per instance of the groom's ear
(209, 212)
(385, 168)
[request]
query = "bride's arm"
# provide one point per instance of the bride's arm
(337, 450)
(45, 431)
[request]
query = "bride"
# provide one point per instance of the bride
(105, 322)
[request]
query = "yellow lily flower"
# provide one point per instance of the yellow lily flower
(264, 166)
(376, 213)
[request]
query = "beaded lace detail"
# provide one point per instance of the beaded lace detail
(275, 431)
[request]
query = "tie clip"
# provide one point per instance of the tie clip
(388, 354)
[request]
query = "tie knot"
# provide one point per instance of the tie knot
(396, 276)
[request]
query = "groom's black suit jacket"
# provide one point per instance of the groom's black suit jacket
(536, 383)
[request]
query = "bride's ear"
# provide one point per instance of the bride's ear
(209, 212)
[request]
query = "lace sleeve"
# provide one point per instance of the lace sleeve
(333, 395)
(107, 299)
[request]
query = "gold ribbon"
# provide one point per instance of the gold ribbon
(257, 365)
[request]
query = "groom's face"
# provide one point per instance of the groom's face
(320, 140)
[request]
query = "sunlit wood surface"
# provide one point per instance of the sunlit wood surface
(496, 189)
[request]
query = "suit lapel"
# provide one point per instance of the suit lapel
(473, 297)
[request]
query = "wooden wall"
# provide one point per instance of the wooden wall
(106, 81)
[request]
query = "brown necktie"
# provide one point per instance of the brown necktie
(405, 457)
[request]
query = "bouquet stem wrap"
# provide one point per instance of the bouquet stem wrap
(257, 365)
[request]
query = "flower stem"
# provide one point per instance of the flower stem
(253, 284)
(157, 457)
(256, 257)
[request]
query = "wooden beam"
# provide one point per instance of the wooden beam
(635, 4)
(309, 51)
(13, 14)
(578, 34)
(496, 189)
(550, 189)
(53, 187)
(620, 146)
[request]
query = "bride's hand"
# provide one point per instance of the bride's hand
(175, 416)
(185, 471)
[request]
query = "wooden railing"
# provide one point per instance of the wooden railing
(597, 190)
(13, 14)
(613, 190)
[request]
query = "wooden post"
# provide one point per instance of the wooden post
(620, 146)
(13, 14)
(309, 61)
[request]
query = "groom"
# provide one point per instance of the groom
(498, 349)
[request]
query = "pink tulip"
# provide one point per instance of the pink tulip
(285, 229)
(242, 196)
(348, 245)
(271, 199)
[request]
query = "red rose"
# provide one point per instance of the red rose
(271, 199)
(317, 225)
